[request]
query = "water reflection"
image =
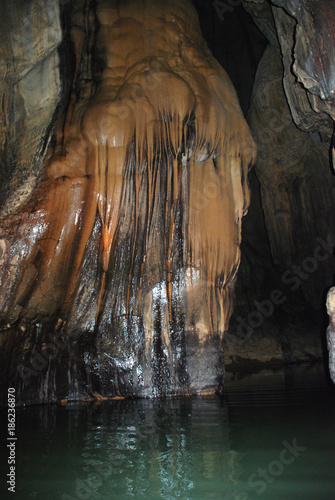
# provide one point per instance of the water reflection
(265, 439)
(163, 449)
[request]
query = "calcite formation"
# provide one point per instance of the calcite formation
(331, 331)
(118, 272)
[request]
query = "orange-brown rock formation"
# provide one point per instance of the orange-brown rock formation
(131, 243)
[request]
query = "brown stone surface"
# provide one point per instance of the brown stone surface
(128, 248)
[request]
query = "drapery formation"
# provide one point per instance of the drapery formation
(139, 205)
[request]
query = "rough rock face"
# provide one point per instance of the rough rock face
(315, 29)
(305, 34)
(308, 68)
(331, 331)
(290, 273)
(293, 170)
(117, 273)
(30, 90)
(289, 233)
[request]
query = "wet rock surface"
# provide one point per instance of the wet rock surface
(123, 196)
(30, 91)
(118, 271)
(331, 332)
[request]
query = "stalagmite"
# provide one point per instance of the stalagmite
(140, 202)
(331, 332)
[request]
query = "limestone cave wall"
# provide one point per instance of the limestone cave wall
(288, 236)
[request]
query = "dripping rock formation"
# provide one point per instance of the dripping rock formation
(121, 227)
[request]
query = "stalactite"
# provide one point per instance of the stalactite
(156, 151)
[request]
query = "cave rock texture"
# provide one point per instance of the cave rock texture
(331, 331)
(291, 216)
(305, 32)
(121, 247)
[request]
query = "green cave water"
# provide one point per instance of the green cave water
(271, 436)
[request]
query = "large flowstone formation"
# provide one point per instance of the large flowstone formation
(118, 270)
